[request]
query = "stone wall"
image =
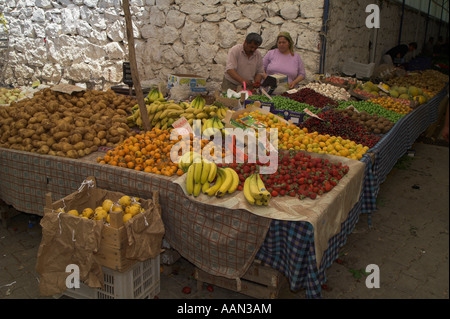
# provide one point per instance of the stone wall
(84, 41)
(348, 36)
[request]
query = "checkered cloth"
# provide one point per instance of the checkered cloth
(403, 135)
(289, 248)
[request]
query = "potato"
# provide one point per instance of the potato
(59, 135)
(72, 154)
(26, 133)
(79, 146)
(75, 138)
(101, 135)
(81, 153)
(89, 136)
(44, 149)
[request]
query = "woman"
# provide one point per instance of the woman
(283, 60)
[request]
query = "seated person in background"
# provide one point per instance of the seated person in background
(244, 64)
(398, 52)
(283, 60)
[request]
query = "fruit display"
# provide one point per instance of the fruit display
(373, 123)
(150, 151)
(293, 137)
(372, 109)
(128, 206)
(390, 104)
(298, 175)
(255, 191)
(162, 114)
(10, 95)
(336, 124)
(329, 90)
(429, 81)
(311, 97)
(206, 177)
(66, 125)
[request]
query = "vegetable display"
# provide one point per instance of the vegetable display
(66, 125)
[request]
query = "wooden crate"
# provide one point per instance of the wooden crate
(112, 253)
(260, 281)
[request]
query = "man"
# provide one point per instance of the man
(398, 52)
(244, 64)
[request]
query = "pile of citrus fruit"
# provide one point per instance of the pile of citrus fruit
(391, 104)
(150, 152)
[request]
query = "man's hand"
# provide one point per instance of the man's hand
(256, 84)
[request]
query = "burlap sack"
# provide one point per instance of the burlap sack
(68, 240)
(145, 232)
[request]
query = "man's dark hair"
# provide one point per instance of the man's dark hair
(253, 38)
(413, 44)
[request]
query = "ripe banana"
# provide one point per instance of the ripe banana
(190, 180)
(254, 190)
(262, 187)
(205, 187)
(226, 184)
(212, 172)
(235, 183)
(205, 172)
(198, 171)
(213, 189)
(248, 196)
(197, 189)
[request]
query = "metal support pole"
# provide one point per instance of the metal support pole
(428, 19)
(401, 23)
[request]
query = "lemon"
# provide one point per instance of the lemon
(73, 212)
(100, 214)
(125, 201)
(127, 217)
(87, 212)
(107, 203)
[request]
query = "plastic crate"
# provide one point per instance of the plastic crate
(360, 70)
(141, 281)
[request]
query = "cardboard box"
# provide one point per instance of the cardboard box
(295, 117)
(194, 82)
(268, 106)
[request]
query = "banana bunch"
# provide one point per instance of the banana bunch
(255, 191)
(201, 175)
(154, 95)
(198, 103)
(210, 124)
(185, 161)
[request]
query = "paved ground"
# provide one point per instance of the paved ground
(408, 241)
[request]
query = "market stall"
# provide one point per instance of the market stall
(224, 237)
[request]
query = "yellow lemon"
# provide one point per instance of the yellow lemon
(87, 212)
(73, 212)
(125, 201)
(107, 203)
(100, 214)
(135, 209)
(127, 217)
